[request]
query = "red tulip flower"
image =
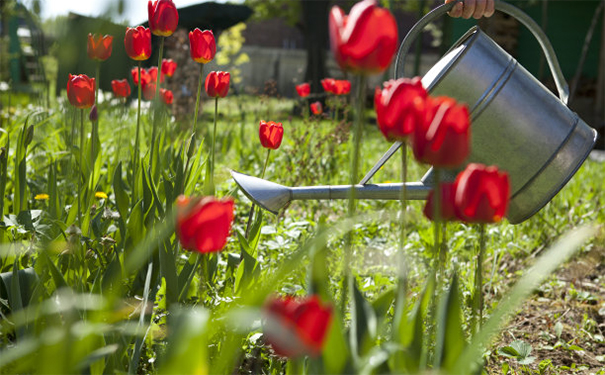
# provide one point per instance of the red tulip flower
(336, 86)
(482, 194)
(270, 134)
(153, 73)
(365, 40)
(137, 42)
(168, 67)
(447, 206)
(316, 108)
(327, 84)
(204, 224)
(443, 138)
(217, 84)
(145, 76)
(149, 91)
(81, 91)
(341, 87)
(202, 45)
(303, 90)
(399, 106)
(99, 47)
(167, 96)
(121, 88)
(163, 17)
(295, 327)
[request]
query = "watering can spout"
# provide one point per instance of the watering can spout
(266, 194)
(273, 197)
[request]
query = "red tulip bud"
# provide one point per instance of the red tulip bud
(303, 90)
(81, 91)
(482, 194)
(295, 327)
(204, 224)
(137, 42)
(99, 46)
(163, 17)
(270, 134)
(443, 138)
(365, 40)
(217, 84)
(399, 107)
(202, 45)
(316, 108)
(168, 67)
(121, 88)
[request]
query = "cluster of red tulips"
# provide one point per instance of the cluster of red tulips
(439, 131)
(363, 42)
(163, 20)
(437, 127)
(330, 85)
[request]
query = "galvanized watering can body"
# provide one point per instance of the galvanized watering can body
(517, 124)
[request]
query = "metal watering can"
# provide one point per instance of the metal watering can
(517, 124)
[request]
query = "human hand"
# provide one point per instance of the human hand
(472, 8)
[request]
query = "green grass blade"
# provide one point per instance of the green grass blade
(544, 266)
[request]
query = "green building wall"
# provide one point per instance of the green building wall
(568, 22)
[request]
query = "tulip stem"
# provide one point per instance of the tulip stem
(156, 101)
(478, 295)
(213, 145)
(80, 168)
(197, 100)
(355, 150)
(437, 222)
(266, 162)
(136, 137)
(402, 218)
(306, 112)
(92, 157)
(251, 214)
(97, 83)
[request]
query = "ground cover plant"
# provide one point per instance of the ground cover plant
(126, 246)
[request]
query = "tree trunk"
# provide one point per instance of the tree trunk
(315, 30)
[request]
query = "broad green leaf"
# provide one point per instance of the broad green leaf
(450, 340)
(363, 323)
(57, 276)
(3, 175)
(136, 229)
(186, 350)
(113, 273)
(247, 269)
(410, 329)
(209, 187)
(335, 352)
(148, 199)
(54, 201)
(119, 190)
(195, 171)
(382, 305)
(255, 230)
(168, 272)
(187, 274)
(136, 353)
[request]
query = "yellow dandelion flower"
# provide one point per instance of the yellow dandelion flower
(100, 195)
(41, 197)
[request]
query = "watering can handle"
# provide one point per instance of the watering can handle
(511, 10)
